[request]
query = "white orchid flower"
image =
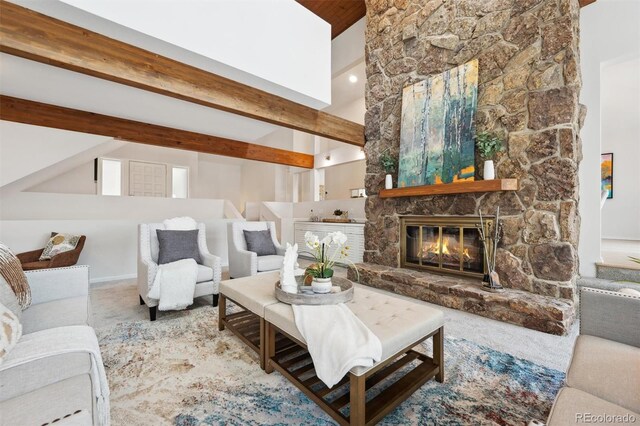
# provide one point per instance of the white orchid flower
(311, 240)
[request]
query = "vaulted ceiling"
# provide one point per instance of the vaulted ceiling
(341, 14)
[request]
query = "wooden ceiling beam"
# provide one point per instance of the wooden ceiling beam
(31, 35)
(46, 115)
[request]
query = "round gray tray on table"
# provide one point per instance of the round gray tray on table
(310, 298)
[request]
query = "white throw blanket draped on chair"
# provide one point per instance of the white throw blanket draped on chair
(175, 284)
(336, 339)
(65, 340)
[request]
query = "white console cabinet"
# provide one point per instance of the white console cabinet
(353, 231)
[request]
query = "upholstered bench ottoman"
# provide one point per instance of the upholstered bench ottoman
(399, 324)
(252, 294)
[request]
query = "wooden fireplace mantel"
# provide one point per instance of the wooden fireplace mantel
(493, 185)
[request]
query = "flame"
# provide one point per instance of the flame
(442, 246)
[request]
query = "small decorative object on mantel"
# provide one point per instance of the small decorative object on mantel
(489, 144)
(490, 249)
(321, 250)
(288, 282)
(389, 163)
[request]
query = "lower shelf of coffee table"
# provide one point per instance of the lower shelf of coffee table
(385, 389)
(246, 325)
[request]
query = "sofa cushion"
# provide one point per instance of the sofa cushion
(13, 274)
(205, 273)
(55, 401)
(30, 376)
(606, 369)
(575, 407)
(58, 313)
(396, 321)
(10, 331)
(260, 242)
(177, 245)
(253, 293)
(270, 263)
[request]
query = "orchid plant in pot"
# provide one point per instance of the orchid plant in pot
(326, 252)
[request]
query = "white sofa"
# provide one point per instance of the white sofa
(244, 263)
(209, 273)
(39, 383)
(603, 381)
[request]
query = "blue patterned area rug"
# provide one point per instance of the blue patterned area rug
(181, 370)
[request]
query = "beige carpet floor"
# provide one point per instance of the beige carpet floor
(117, 302)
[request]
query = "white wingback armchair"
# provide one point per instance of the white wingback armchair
(244, 263)
(209, 273)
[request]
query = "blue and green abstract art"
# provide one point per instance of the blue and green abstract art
(437, 128)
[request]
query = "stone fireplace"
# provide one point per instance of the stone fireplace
(445, 244)
(529, 83)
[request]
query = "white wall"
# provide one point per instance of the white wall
(78, 180)
(620, 103)
(210, 176)
(609, 32)
(217, 180)
(340, 179)
(110, 224)
(276, 45)
(25, 149)
(348, 47)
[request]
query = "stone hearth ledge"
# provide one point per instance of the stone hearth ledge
(537, 312)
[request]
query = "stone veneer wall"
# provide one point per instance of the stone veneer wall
(529, 81)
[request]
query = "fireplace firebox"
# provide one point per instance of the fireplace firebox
(445, 244)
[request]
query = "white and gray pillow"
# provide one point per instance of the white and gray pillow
(10, 331)
(260, 242)
(177, 245)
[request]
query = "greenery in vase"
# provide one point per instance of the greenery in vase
(323, 268)
(388, 162)
(489, 144)
(634, 259)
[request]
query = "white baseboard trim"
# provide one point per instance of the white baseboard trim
(112, 278)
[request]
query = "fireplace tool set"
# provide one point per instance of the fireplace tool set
(491, 279)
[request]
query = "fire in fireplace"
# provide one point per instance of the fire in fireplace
(447, 244)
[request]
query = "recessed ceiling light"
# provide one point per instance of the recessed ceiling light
(353, 78)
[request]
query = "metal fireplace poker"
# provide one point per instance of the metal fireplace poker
(491, 279)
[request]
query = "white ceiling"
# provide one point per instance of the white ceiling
(275, 45)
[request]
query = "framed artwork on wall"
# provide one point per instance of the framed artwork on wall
(606, 173)
(437, 128)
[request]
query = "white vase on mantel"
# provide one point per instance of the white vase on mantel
(388, 182)
(489, 170)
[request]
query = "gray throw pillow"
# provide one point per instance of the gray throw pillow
(260, 242)
(177, 245)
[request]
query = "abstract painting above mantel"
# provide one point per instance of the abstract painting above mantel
(437, 128)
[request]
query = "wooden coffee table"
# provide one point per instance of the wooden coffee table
(268, 327)
(399, 324)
